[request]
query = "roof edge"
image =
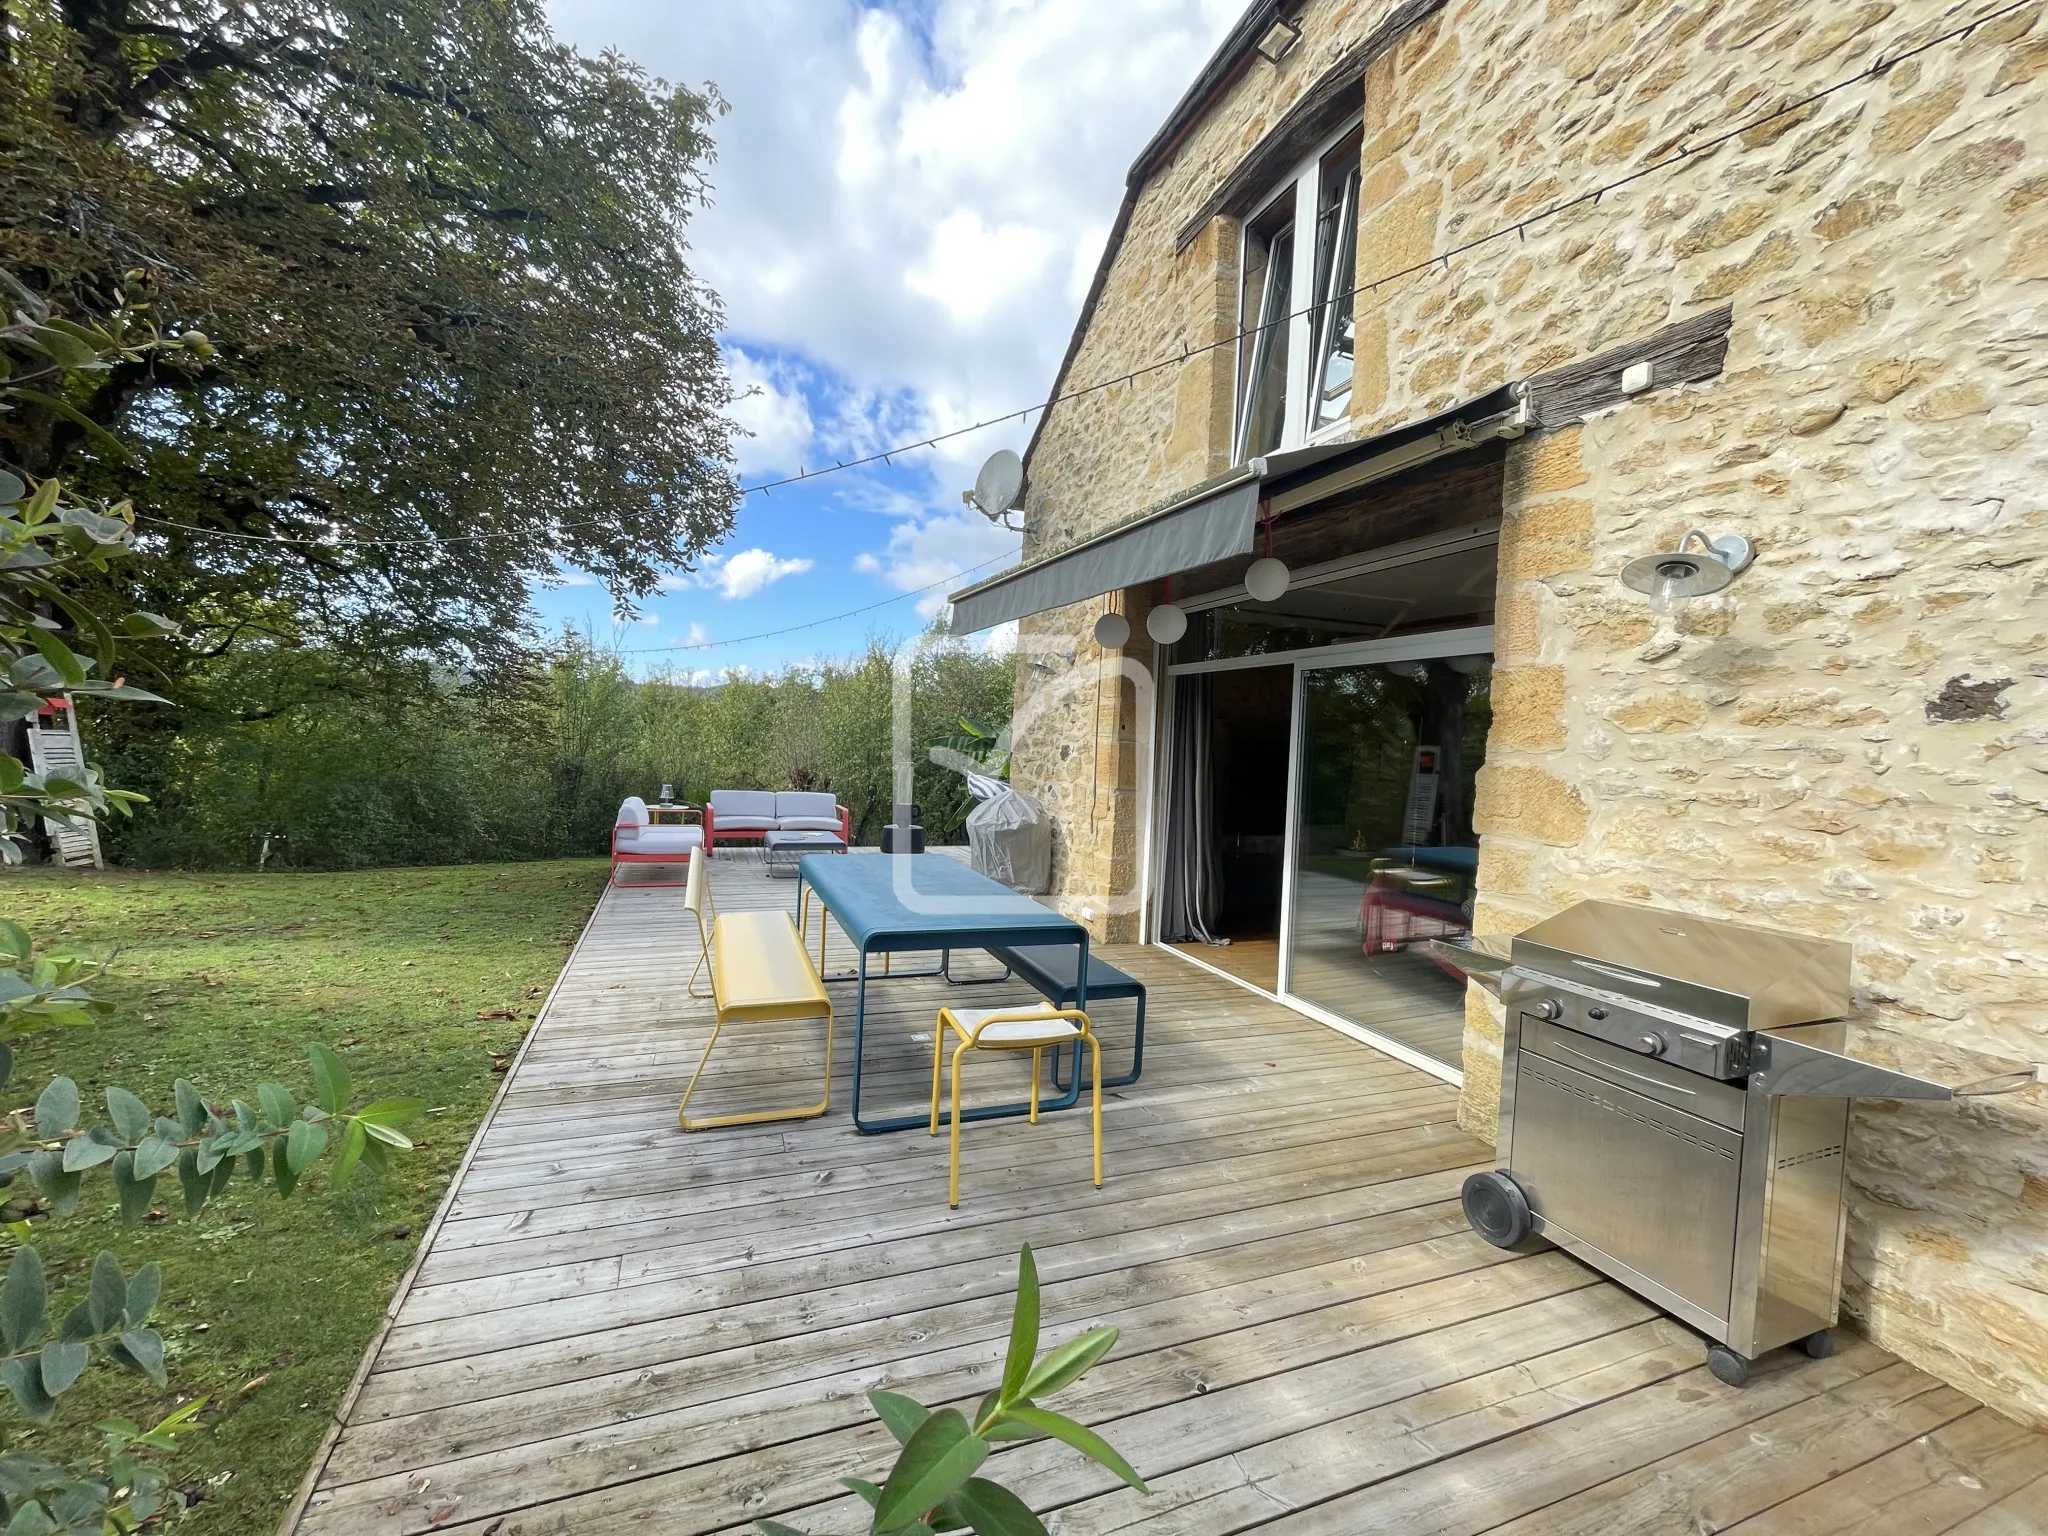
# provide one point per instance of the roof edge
(1225, 67)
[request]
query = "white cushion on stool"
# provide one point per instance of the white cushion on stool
(1049, 1026)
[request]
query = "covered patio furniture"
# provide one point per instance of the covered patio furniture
(1034, 1028)
(759, 975)
(636, 841)
(749, 815)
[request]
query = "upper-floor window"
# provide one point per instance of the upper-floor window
(1295, 309)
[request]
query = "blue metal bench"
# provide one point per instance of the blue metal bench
(1051, 969)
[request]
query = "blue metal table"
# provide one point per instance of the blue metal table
(887, 903)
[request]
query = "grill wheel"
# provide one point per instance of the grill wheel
(1496, 1208)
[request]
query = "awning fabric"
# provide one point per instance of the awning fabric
(1212, 527)
(1219, 519)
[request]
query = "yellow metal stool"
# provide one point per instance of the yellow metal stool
(1032, 1027)
(759, 974)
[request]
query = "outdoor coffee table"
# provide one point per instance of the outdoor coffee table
(781, 851)
(890, 902)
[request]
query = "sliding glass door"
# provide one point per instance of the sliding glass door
(1384, 856)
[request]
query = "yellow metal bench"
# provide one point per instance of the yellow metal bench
(759, 974)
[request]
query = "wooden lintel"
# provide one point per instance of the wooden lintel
(1684, 353)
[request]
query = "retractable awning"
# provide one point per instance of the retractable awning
(1219, 518)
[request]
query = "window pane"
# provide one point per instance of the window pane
(1387, 859)
(1336, 265)
(1266, 381)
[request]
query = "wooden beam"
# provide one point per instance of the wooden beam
(1321, 110)
(1684, 353)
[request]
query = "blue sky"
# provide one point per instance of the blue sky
(909, 201)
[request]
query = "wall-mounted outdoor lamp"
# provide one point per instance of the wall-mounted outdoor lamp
(1686, 572)
(1278, 41)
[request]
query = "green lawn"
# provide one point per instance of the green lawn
(225, 979)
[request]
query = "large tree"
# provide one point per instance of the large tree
(453, 338)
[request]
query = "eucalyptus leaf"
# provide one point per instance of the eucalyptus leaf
(24, 1301)
(130, 1115)
(351, 1153)
(279, 1108)
(24, 1378)
(57, 1109)
(192, 1114)
(109, 1293)
(154, 1155)
(82, 1152)
(302, 1148)
(143, 1290)
(143, 1348)
(196, 1186)
(135, 1194)
(330, 1079)
(62, 1362)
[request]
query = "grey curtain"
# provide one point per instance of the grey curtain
(1191, 890)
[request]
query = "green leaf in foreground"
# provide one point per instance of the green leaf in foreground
(1023, 1330)
(904, 1416)
(330, 1079)
(1081, 1438)
(1069, 1362)
(935, 1461)
(993, 1510)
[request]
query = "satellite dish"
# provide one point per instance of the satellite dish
(996, 487)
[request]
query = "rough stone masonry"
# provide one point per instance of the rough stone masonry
(1850, 741)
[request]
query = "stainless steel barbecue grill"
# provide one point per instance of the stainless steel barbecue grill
(1674, 1110)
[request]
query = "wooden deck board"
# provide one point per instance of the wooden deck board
(619, 1327)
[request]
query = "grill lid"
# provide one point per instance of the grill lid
(1722, 972)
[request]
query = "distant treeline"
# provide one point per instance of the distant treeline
(343, 768)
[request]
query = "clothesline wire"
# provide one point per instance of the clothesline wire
(773, 634)
(1686, 153)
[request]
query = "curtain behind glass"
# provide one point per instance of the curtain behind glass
(1191, 885)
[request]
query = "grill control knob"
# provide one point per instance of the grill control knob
(1549, 1008)
(1651, 1044)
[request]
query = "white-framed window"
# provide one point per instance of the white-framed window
(1295, 304)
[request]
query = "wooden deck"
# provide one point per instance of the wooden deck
(618, 1329)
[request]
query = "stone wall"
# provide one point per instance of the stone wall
(1853, 739)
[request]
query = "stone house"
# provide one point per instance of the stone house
(1456, 308)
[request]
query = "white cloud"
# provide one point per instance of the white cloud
(924, 550)
(749, 571)
(697, 635)
(911, 197)
(772, 411)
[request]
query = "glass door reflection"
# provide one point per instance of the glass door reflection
(1386, 858)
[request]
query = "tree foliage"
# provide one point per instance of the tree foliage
(49, 540)
(356, 768)
(439, 262)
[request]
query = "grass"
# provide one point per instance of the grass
(269, 1303)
